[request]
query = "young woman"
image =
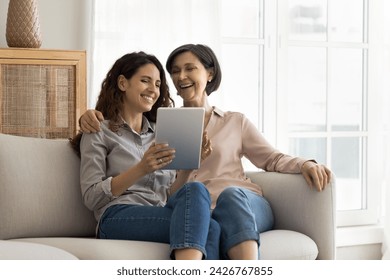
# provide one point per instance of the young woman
(238, 204)
(121, 176)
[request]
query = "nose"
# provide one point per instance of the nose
(154, 88)
(181, 75)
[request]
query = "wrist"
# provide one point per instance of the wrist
(138, 170)
(310, 162)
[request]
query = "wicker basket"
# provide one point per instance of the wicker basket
(23, 30)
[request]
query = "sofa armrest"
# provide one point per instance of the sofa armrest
(297, 207)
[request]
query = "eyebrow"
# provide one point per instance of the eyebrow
(187, 64)
(150, 78)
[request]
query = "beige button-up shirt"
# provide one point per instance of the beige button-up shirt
(233, 136)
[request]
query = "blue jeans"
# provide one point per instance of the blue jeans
(242, 215)
(184, 222)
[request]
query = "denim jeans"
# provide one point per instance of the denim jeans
(242, 215)
(184, 222)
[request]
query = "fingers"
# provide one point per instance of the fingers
(99, 115)
(319, 180)
(156, 148)
(90, 121)
(308, 179)
(158, 156)
(93, 120)
(206, 151)
(316, 175)
(315, 181)
(158, 162)
(328, 174)
(206, 146)
(163, 161)
(166, 155)
(86, 127)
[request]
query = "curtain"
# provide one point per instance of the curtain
(386, 239)
(154, 26)
(386, 202)
(385, 101)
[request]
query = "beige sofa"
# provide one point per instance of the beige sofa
(42, 215)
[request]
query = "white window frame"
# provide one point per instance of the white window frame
(370, 215)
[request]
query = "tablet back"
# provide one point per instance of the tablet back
(182, 129)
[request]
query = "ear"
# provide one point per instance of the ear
(122, 82)
(210, 75)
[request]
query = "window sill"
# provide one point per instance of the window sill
(359, 235)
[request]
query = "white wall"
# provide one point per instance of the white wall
(64, 24)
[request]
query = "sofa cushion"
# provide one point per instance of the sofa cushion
(16, 250)
(107, 249)
(275, 245)
(287, 245)
(40, 190)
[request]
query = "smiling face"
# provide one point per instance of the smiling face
(141, 90)
(190, 77)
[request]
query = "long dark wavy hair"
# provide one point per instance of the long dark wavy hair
(110, 100)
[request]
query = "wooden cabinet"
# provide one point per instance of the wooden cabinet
(42, 92)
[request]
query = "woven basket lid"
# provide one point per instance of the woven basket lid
(23, 30)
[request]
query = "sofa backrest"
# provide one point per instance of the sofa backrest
(40, 189)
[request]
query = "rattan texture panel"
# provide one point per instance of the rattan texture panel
(38, 100)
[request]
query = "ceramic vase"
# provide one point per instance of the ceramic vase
(23, 29)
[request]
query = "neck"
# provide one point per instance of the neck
(201, 103)
(133, 120)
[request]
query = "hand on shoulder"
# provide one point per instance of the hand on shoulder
(90, 121)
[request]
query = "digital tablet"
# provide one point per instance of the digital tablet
(182, 129)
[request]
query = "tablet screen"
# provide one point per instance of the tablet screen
(182, 129)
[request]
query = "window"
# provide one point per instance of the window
(242, 55)
(307, 73)
(242, 60)
(328, 79)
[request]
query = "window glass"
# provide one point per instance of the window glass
(386, 89)
(346, 89)
(242, 61)
(241, 79)
(307, 89)
(386, 25)
(347, 159)
(386, 67)
(310, 148)
(240, 18)
(346, 19)
(327, 91)
(308, 20)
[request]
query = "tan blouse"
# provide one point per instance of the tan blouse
(233, 136)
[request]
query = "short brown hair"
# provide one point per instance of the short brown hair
(206, 56)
